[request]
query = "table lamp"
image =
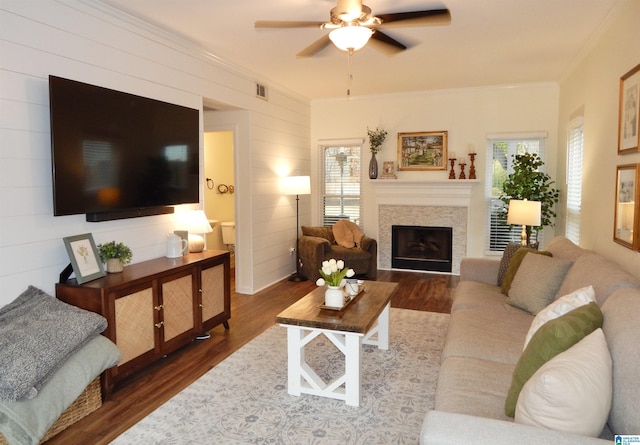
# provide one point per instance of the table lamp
(526, 213)
(297, 185)
(196, 223)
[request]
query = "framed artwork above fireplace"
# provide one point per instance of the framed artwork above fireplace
(426, 150)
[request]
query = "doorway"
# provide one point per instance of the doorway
(219, 190)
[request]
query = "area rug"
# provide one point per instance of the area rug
(244, 399)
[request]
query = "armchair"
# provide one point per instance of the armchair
(317, 244)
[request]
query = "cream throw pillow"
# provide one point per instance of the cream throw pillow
(537, 281)
(560, 307)
(571, 392)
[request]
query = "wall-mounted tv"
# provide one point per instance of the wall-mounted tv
(117, 155)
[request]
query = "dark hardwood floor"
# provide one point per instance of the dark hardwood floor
(143, 392)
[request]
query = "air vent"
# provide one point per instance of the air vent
(261, 91)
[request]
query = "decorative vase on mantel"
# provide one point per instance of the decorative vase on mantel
(114, 265)
(373, 166)
(333, 296)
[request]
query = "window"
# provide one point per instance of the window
(574, 180)
(501, 151)
(340, 171)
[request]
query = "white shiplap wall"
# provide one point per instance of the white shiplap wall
(92, 43)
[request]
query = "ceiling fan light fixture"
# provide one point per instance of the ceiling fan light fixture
(350, 37)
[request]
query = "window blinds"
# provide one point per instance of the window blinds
(574, 180)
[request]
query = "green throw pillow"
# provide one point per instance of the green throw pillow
(514, 264)
(553, 337)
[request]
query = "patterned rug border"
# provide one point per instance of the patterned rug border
(244, 399)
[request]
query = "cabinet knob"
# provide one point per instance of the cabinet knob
(200, 290)
(157, 308)
(201, 305)
(159, 325)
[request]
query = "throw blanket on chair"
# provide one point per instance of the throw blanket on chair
(37, 334)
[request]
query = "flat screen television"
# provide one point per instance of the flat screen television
(117, 155)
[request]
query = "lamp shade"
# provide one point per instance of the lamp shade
(350, 37)
(524, 212)
(195, 221)
(296, 185)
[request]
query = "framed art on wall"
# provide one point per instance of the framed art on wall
(627, 210)
(422, 150)
(84, 257)
(629, 112)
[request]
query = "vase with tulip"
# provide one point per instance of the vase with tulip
(333, 274)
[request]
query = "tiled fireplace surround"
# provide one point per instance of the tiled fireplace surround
(442, 203)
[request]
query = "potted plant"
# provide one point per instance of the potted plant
(528, 182)
(376, 138)
(115, 255)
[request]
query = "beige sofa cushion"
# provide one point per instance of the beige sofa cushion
(494, 335)
(622, 330)
(564, 248)
(592, 269)
(473, 386)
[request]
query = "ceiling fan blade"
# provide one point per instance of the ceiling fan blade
(315, 47)
(287, 24)
(431, 17)
(386, 44)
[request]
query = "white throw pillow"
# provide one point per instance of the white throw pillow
(560, 307)
(571, 392)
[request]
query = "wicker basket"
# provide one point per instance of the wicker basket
(89, 401)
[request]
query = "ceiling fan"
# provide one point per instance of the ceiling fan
(352, 25)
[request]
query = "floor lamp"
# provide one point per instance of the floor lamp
(297, 185)
(526, 213)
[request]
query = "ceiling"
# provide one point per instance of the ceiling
(489, 42)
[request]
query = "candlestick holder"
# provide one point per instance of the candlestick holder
(462, 175)
(472, 168)
(452, 172)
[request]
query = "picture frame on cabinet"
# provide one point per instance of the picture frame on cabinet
(84, 257)
(627, 206)
(425, 150)
(629, 112)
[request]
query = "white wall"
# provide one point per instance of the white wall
(592, 90)
(92, 43)
(467, 114)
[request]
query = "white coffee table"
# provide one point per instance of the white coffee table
(364, 321)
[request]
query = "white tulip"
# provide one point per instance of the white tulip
(350, 273)
(325, 263)
(320, 282)
(340, 264)
(326, 270)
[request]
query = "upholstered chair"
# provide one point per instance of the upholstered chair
(318, 244)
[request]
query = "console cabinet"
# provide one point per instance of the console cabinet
(155, 307)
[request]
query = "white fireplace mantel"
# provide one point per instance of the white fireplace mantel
(447, 192)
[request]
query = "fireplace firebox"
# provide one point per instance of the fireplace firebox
(422, 248)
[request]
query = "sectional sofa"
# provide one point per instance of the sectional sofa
(585, 393)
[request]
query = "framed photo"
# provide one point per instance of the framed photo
(627, 210)
(629, 112)
(84, 257)
(422, 151)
